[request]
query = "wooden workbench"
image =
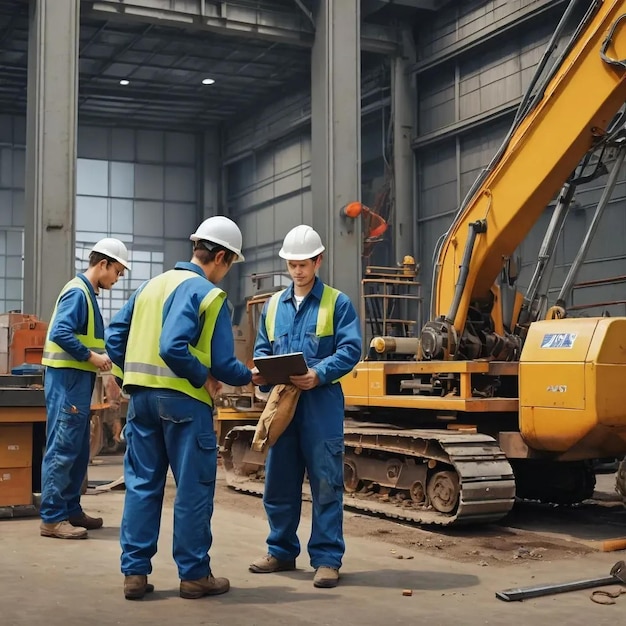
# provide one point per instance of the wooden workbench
(22, 438)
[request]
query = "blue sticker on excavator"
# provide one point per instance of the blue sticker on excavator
(558, 340)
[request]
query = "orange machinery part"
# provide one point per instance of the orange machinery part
(26, 338)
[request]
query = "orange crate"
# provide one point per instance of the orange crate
(16, 445)
(16, 486)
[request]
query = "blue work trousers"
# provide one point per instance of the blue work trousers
(168, 428)
(68, 401)
(313, 441)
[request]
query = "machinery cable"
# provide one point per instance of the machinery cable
(529, 100)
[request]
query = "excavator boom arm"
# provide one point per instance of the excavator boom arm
(578, 104)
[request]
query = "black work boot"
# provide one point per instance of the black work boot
(85, 521)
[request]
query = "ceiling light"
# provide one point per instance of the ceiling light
(208, 81)
(124, 82)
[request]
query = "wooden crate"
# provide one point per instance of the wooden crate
(16, 486)
(16, 445)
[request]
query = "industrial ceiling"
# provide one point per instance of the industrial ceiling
(143, 62)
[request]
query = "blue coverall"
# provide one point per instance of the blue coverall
(68, 400)
(313, 441)
(164, 427)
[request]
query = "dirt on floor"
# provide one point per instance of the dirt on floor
(529, 532)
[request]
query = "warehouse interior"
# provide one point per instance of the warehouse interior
(157, 148)
(137, 119)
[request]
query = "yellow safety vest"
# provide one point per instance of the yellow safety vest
(143, 366)
(54, 355)
(325, 325)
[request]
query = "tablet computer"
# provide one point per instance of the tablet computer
(277, 368)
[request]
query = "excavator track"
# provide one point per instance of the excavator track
(424, 476)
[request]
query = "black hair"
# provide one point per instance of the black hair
(98, 257)
(206, 251)
(313, 258)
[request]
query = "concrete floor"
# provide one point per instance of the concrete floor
(67, 583)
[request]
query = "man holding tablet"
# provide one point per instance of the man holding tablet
(321, 322)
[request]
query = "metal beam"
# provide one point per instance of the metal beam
(336, 140)
(294, 122)
(50, 152)
(236, 18)
(464, 126)
(424, 5)
(519, 20)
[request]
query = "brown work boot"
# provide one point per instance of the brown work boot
(207, 586)
(84, 521)
(268, 564)
(136, 586)
(62, 530)
(326, 577)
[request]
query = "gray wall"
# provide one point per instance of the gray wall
(12, 159)
(140, 186)
(268, 182)
(469, 83)
(267, 169)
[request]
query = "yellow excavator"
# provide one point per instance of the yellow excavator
(500, 396)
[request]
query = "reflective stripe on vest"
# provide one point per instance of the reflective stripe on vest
(324, 327)
(143, 365)
(117, 371)
(54, 355)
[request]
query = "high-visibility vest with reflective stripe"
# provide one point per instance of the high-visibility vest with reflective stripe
(143, 366)
(54, 355)
(325, 325)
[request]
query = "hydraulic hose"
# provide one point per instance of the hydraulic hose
(475, 228)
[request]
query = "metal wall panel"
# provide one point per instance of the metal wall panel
(268, 194)
(437, 182)
(437, 99)
(139, 186)
(500, 75)
(267, 165)
(462, 24)
(471, 86)
(476, 150)
(475, 60)
(12, 163)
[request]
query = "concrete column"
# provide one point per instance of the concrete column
(50, 194)
(402, 102)
(336, 140)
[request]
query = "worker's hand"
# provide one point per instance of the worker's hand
(257, 379)
(213, 386)
(306, 381)
(101, 361)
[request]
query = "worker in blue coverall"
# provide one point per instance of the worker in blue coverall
(73, 353)
(173, 341)
(321, 322)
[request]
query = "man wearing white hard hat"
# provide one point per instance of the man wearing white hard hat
(173, 340)
(321, 322)
(73, 354)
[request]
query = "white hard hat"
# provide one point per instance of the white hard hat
(114, 249)
(301, 243)
(221, 231)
